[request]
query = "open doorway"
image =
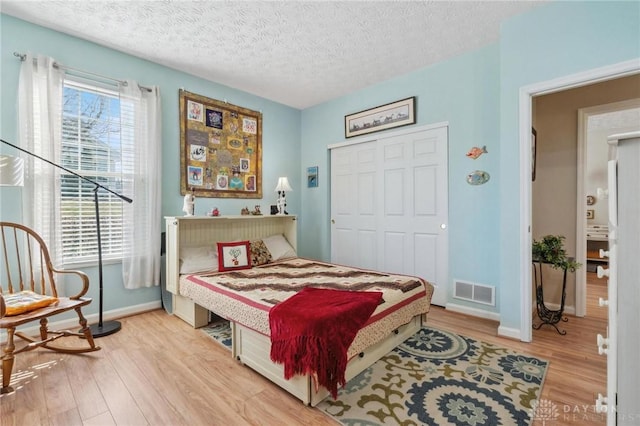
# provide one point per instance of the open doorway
(561, 161)
(572, 127)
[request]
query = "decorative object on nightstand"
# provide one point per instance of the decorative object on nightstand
(189, 205)
(256, 211)
(281, 188)
(550, 251)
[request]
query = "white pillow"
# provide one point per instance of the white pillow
(195, 260)
(279, 247)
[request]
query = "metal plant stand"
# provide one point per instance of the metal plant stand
(546, 315)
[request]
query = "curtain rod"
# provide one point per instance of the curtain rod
(23, 57)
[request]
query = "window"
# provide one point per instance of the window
(114, 138)
(93, 145)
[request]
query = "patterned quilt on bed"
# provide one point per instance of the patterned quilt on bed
(246, 296)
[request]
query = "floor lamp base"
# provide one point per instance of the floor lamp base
(107, 328)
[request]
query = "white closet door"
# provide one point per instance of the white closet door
(389, 206)
(353, 205)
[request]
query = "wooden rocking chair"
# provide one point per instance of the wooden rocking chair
(28, 293)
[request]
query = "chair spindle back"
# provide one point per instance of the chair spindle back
(26, 263)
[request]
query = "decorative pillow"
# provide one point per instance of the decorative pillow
(279, 247)
(26, 301)
(234, 255)
(259, 253)
(195, 260)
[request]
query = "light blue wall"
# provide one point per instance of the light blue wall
(476, 93)
(462, 92)
(281, 132)
(556, 40)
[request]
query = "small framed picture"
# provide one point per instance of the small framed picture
(387, 116)
(590, 214)
(312, 177)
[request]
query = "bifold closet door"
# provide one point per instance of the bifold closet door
(354, 201)
(389, 205)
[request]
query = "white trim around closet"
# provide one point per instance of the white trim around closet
(375, 136)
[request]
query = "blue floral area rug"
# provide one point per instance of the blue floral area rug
(220, 331)
(440, 378)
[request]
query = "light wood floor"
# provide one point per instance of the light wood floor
(159, 371)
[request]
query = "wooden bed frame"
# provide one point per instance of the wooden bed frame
(248, 346)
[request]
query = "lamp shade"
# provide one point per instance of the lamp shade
(283, 185)
(11, 171)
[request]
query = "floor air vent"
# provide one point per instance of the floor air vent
(479, 293)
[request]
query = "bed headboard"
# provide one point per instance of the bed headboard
(203, 230)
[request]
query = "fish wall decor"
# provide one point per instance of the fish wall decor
(476, 152)
(478, 177)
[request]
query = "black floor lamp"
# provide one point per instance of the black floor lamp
(101, 328)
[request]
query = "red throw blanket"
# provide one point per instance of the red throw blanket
(312, 330)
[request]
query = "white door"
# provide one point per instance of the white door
(353, 205)
(623, 342)
(389, 206)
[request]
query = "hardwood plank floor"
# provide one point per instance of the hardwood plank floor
(159, 371)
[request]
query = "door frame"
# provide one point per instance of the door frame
(526, 94)
(581, 208)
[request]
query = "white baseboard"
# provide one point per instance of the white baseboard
(480, 313)
(71, 323)
(513, 333)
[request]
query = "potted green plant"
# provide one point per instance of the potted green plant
(550, 249)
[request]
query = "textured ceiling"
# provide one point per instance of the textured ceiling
(296, 53)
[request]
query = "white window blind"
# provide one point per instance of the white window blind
(98, 145)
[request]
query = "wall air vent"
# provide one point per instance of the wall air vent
(478, 293)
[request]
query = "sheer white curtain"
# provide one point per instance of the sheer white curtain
(39, 118)
(140, 120)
